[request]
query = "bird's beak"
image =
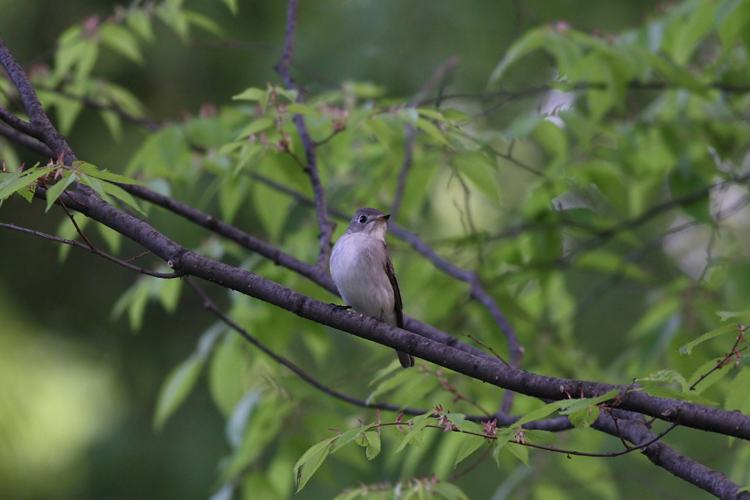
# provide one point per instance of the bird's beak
(384, 217)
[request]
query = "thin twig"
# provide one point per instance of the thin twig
(282, 67)
(722, 362)
(410, 134)
(488, 348)
(93, 250)
(210, 306)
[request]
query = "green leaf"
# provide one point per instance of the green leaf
(112, 177)
(20, 180)
(203, 22)
(394, 382)
(408, 115)
(529, 42)
(688, 348)
(666, 376)
(373, 444)
(417, 426)
(140, 22)
(738, 390)
(433, 131)
(311, 461)
(169, 293)
(123, 195)
(520, 451)
(256, 126)
(538, 414)
(55, 191)
(176, 388)
(232, 5)
(302, 109)
(238, 420)
(583, 412)
(252, 94)
(114, 240)
(449, 491)
(674, 73)
(121, 40)
(726, 315)
(469, 444)
(710, 379)
(114, 124)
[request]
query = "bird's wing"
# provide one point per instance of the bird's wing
(397, 304)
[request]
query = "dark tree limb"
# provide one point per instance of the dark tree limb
(368, 328)
(283, 68)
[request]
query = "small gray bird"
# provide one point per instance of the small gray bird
(362, 269)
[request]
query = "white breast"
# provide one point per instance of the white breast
(358, 269)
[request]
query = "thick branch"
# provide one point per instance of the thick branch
(368, 328)
(40, 126)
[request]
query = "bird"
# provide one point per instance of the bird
(362, 269)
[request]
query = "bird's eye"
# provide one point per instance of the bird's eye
(362, 219)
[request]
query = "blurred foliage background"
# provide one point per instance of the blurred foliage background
(78, 389)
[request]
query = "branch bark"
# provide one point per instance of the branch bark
(283, 68)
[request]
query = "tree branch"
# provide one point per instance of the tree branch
(282, 67)
(93, 250)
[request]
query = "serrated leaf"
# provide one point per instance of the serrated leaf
(311, 461)
(469, 445)
(55, 191)
(176, 388)
(373, 444)
(19, 180)
(688, 348)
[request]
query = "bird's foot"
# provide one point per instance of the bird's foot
(340, 307)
